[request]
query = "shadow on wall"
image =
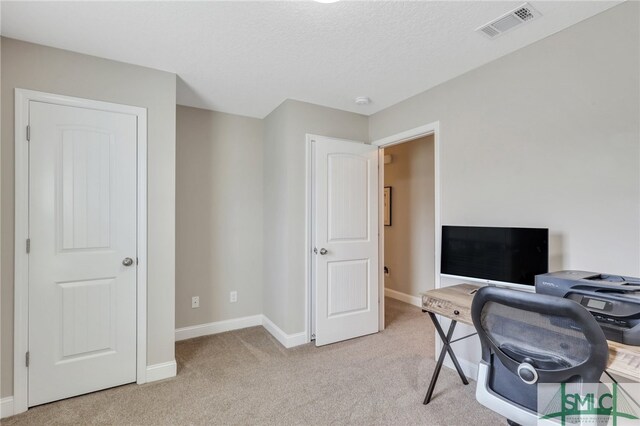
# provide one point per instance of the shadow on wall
(556, 252)
(188, 96)
(194, 206)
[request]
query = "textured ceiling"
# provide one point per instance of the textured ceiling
(247, 57)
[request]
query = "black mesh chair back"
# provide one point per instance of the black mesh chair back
(531, 338)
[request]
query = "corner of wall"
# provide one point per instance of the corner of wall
(6, 407)
(164, 370)
(286, 340)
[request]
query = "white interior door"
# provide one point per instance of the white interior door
(346, 239)
(82, 261)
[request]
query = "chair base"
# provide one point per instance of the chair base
(486, 397)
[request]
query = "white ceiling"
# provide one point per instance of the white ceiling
(247, 57)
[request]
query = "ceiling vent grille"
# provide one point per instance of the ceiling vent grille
(509, 21)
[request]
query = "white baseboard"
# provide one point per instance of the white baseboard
(161, 371)
(6, 407)
(217, 327)
(155, 372)
(286, 340)
(406, 298)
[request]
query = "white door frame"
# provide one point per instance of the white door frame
(398, 138)
(405, 136)
(21, 263)
(309, 310)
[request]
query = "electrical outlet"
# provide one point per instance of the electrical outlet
(233, 297)
(195, 302)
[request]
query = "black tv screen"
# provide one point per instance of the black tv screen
(508, 255)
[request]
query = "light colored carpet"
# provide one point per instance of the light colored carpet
(246, 377)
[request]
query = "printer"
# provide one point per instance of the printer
(613, 300)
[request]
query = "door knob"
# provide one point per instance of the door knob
(127, 261)
(323, 251)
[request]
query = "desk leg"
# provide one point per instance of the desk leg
(446, 348)
(446, 340)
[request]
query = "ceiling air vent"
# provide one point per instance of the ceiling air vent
(509, 21)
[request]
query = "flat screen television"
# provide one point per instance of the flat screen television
(495, 255)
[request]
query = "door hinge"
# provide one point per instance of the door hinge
(27, 358)
(28, 133)
(28, 245)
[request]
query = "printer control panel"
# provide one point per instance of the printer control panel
(607, 320)
(600, 305)
(615, 318)
(599, 309)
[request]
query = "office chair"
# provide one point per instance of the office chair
(528, 339)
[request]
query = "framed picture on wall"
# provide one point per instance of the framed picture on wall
(387, 206)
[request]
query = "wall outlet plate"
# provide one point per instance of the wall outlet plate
(233, 296)
(195, 302)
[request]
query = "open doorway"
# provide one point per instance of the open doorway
(318, 176)
(409, 201)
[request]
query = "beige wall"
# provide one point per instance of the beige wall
(218, 215)
(284, 202)
(409, 243)
(35, 67)
(547, 136)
